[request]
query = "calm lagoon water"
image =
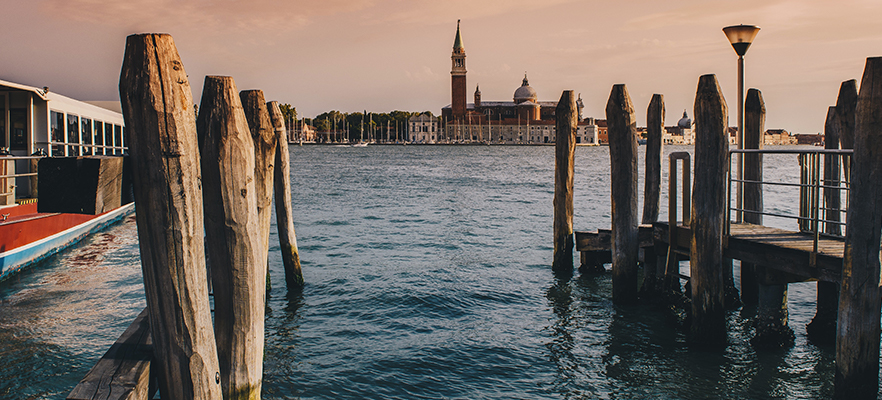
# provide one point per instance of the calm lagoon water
(428, 277)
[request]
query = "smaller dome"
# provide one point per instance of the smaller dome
(684, 122)
(525, 92)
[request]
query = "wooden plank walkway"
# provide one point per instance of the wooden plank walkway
(124, 371)
(787, 251)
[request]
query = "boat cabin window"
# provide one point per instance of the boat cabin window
(108, 137)
(117, 138)
(2, 122)
(99, 137)
(73, 134)
(18, 121)
(86, 136)
(56, 126)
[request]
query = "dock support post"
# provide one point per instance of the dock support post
(622, 126)
(822, 329)
(157, 105)
(284, 214)
(754, 126)
(655, 126)
(565, 149)
(708, 214)
(233, 237)
(857, 336)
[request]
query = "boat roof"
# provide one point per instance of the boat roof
(60, 102)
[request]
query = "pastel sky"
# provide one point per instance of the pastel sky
(382, 55)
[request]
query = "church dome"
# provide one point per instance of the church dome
(525, 93)
(685, 122)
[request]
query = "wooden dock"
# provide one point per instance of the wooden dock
(787, 251)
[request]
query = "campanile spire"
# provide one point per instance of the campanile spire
(458, 77)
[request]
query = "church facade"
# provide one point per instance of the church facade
(523, 120)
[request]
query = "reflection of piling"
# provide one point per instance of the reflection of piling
(857, 338)
(233, 237)
(655, 127)
(157, 105)
(284, 214)
(622, 128)
(565, 149)
(708, 211)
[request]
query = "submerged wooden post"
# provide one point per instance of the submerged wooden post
(622, 128)
(157, 106)
(857, 337)
(653, 272)
(284, 215)
(754, 126)
(822, 329)
(264, 136)
(565, 149)
(708, 214)
(233, 237)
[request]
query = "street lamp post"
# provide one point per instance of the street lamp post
(740, 36)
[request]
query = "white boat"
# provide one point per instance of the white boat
(43, 124)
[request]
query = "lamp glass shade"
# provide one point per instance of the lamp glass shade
(741, 36)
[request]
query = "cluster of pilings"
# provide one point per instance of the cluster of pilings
(848, 313)
(203, 187)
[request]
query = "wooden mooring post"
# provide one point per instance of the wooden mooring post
(708, 214)
(858, 328)
(157, 105)
(264, 137)
(622, 128)
(233, 237)
(822, 329)
(653, 271)
(284, 214)
(565, 149)
(754, 128)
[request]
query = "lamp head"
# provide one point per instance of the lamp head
(741, 36)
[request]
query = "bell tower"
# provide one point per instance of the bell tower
(458, 78)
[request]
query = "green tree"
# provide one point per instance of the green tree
(289, 112)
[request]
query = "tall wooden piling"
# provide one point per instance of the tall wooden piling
(565, 150)
(653, 272)
(754, 127)
(822, 329)
(264, 137)
(622, 130)
(284, 214)
(157, 102)
(708, 212)
(858, 328)
(845, 108)
(233, 237)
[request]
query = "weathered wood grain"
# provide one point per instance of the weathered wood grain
(708, 212)
(858, 328)
(233, 237)
(284, 214)
(566, 117)
(264, 137)
(158, 111)
(123, 373)
(622, 131)
(655, 127)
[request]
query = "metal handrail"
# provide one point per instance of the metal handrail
(811, 183)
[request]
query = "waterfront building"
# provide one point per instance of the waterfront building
(423, 128)
(682, 133)
(814, 139)
(773, 137)
(524, 120)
